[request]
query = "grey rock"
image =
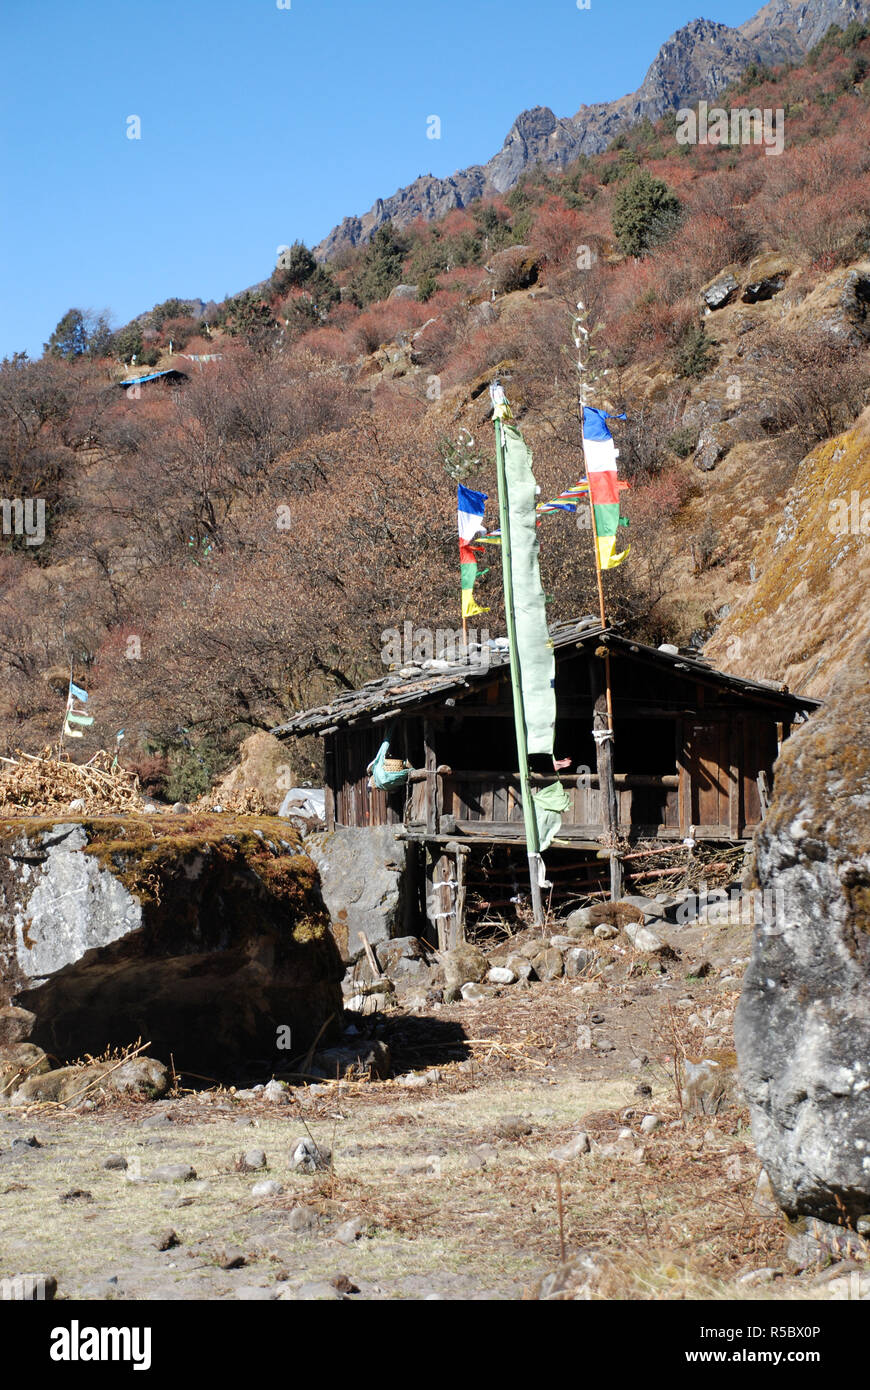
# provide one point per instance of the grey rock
(501, 975)
(349, 1232)
(605, 932)
(579, 920)
(708, 1086)
(156, 1121)
(172, 1172)
(254, 1159)
(548, 964)
(367, 1004)
(578, 960)
(364, 881)
(464, 964)
(115, 1162)
(802, 1027)
(16, 1025)
(644, 939)
(308, 1157)
(276, 1093)
(650, 1123)
(370, 1057)
(473, 993)
(721, 292)
(574, 1148)
(403, 292)
(303, 1220)
(267, 1188)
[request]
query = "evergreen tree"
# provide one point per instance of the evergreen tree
(645, 211)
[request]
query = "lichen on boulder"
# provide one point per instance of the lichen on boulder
(802, 1027)
(201, 936)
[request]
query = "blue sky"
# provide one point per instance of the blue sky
(260, 125)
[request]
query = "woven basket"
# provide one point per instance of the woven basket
(393, 764)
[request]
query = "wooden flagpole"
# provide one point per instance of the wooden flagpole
(529, 818)
(603, 726)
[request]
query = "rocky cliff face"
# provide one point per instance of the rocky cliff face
(802, 1029)
(695, 64)
(202, 937)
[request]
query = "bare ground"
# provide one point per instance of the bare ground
(672, 1217)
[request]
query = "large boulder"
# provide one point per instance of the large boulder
(364, 882)
(204, 937)
(802, 1027)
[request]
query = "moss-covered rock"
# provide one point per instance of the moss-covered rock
(203, 936)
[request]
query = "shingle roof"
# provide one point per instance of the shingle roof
(426, 682)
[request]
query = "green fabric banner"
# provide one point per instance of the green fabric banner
(550, 804)
(534, 648)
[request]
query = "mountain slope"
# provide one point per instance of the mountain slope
(695, 64)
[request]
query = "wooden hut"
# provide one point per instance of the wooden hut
(694, 748)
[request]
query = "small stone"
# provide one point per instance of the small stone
(350, 1231)
(513, 1127)
(584, 1038)
(580, 920)
(650, 1123)
(308, 1157)
(763, 1199)
(561, 943)
(172, 1172)
(548, 964)
(302, 1219)
(520, 965)
(643, 939)
(180, 808)
(605, 1045)
(624, 1134)
(473, 993)
(267, 1188)
(757, 1276)
(254, 1159)
(232, 1257)
(165, 1239)
(157, 1121)
(413, 1081)
(367, 1003)
(115, 1162)
(501, 975)
(577, 960)
(573, 1148)
(16, 1025)
(605, 932)
(20, 1143)
(275, 1092)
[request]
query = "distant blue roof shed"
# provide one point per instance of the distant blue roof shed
(153, 376)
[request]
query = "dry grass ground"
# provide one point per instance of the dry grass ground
(673, 1217)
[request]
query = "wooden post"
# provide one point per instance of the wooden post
(458, 933)
(431, 763)
(443, 901)
(602, 722)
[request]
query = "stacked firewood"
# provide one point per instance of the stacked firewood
(35, 786)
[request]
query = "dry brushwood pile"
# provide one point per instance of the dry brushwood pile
(34, 786)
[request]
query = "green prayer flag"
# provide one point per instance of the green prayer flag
(534, 649)
(550, 804)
